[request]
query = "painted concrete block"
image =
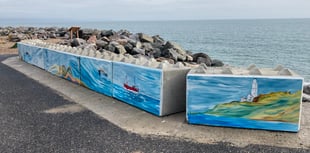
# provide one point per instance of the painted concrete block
(96, 74)
(158, 91)
(269, 101)
(64, 65)
(138, 86)
(31, 54)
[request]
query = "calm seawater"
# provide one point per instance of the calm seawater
(265, 43)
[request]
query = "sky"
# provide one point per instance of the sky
(124, 10)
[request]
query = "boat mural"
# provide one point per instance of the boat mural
(132, 88)
(259, 103)
(137, 86)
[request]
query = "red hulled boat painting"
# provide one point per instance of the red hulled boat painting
(132, 88)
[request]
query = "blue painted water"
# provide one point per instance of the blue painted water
(139, 100)
(241, 122)
(96, 75)
(265, 43)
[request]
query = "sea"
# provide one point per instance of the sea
(263, 42)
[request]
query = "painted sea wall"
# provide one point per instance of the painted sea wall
(158, 88)
(138, 86)
(64, 65)
(257, 102)
(32, 55)
(96, 74)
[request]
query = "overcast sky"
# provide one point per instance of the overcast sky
(110, 10)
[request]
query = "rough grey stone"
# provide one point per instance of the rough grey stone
(145, 38)
(306, 88)
(138, 51)
(217, 63)
(101, 43)
(77, 42)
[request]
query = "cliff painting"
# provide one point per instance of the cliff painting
(259, 103)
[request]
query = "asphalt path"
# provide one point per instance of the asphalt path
(26, 127)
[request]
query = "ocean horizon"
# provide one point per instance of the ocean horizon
(237, 42)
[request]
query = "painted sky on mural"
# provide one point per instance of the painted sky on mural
(119, 10)
(228, 89)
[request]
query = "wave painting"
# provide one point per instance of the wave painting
(96, 75)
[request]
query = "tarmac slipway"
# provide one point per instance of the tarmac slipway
(137, 121)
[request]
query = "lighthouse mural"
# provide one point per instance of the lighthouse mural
(252, 94)
(244, 102)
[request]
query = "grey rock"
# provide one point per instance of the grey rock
(196, 55)
(306, 88)
(147, 47)
(173, 54)
(101, 43)
(77, 42)
(158, 40)
(145, 38)
(217, 63)
(52, 35)
(119, 49)
(110, 47)
(189, 58)
(107, 33)
(204, 60)
(175, 46)
(128, 47)
(138, 44)
(156, 53)
(305, 98)
(138, 51)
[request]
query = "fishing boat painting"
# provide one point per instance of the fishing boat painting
(245, 102)
(132, 88)
(138, 86)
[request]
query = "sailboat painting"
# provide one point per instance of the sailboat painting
(96, 74)
(245, 102)
(138, 86)
(32, 55)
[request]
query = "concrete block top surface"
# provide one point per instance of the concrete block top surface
(239, 71)
(107, 55)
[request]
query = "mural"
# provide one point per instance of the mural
(259, 103)
(96, 75)
(137, 86)
(32, 55)
(63, 65)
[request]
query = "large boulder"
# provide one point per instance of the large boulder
(119, 49)
(77, 42)
(173, 54)
(136, 51)
(128, 47)
(305, 98)
(107, 33)
(306, 88)
(101, 43)
(145, 38)
(158, 40)
(202, 58)
(175, 46)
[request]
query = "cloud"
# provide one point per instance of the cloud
(154, 9)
